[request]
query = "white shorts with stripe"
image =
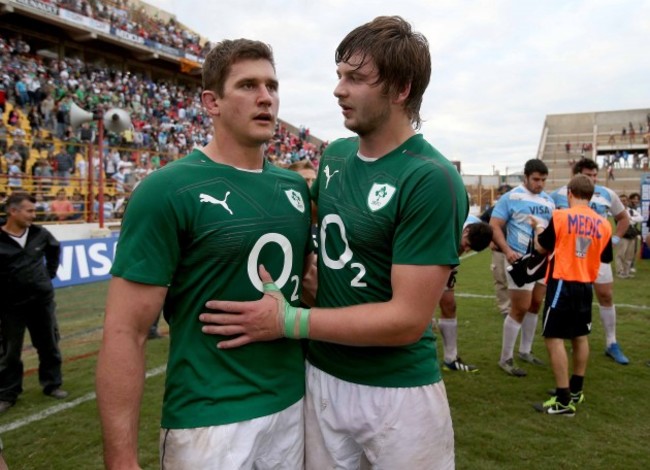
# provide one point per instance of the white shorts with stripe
(352, 426)
(271, 442)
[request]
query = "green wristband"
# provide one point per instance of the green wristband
(296, 316)
(304, 322)
(290, 315)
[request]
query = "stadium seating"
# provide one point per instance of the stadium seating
(568, 137)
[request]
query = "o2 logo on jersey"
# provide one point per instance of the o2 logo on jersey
(254, 262)
(346, 256)
(380, 194)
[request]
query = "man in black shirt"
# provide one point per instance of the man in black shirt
(27, 300)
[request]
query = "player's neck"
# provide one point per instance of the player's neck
(386, 137)
(575, 202)
(230, 153)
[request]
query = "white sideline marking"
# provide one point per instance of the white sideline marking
(64, 406)
(483, 296)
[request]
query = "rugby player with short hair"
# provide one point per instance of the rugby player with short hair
(391, 210)
(511, 212)
(194, 230)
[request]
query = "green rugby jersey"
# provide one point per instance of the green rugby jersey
(407, 207)
(202, 228)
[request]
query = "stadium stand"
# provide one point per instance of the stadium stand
(100, 66)
(617, 140)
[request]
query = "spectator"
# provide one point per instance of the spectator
(3, 137)
(14, 118)
(43, 174)
(108, 207)
(78, 206)
(47, 111)
(112, 163)
(64, 167)
(61, 208)
(498, 260)
(15, 176)
(35, 120)
(21, 149)
(3, 98)
(61, 116)
(22, 97)
(27, 300)
(120, 179)
(82, 168)
(42, 207)
(627, 247)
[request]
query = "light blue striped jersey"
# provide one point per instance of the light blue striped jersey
(603, 202)
(515, 207)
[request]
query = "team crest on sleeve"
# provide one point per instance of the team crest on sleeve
(295, 198)
(380, 194)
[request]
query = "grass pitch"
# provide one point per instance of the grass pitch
(494, 422)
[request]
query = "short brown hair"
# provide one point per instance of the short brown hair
(401, 56)
(581, 187)
(225, 54)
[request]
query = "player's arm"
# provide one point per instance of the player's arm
(621, 217)
(402, 320)
(131, 308)
(52, 254)
(544, 237)
(607, 256)
(622, 224)
(499, 239)
(399, 321)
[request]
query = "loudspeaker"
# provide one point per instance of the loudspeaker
(117, 120)
(78, 116)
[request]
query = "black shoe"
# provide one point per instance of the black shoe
(57, 393)
(576, 398)
(5, 405)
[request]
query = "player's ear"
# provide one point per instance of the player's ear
(210, 102)
(402, 95)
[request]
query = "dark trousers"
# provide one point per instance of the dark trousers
(40, 320)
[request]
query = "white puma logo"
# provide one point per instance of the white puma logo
(212, 200)
(328, 176)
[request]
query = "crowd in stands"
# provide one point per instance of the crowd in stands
(120, 15)
(167, 123)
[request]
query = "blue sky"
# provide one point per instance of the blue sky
(499, 67)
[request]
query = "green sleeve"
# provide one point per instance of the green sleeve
(149, 248)
(430, 225)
